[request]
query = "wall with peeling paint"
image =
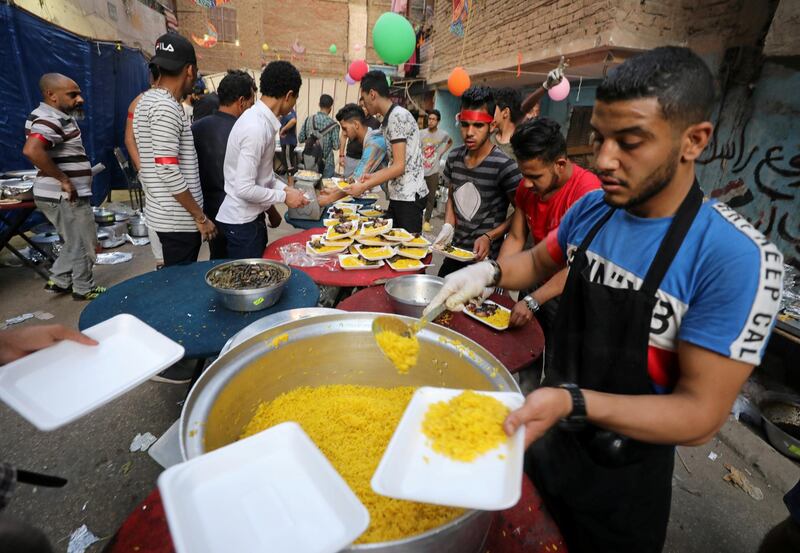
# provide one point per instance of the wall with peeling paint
(753, 161)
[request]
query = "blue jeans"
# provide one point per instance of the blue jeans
(245, 241)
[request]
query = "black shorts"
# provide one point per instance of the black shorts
(407, 215)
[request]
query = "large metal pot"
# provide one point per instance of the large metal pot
(337, 349)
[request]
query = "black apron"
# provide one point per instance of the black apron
(607, 492)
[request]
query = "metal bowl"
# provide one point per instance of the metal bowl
(251, 299)
(103, 216)
(779, 413)
(337, 349)
(137, 226)
(410, 294)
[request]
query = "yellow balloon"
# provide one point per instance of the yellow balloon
(265, 47)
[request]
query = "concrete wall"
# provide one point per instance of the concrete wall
(113, 20)
(315, 23)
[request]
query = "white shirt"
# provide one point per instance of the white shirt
(251, 186)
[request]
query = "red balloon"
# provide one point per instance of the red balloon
(458, 81)
(358, 69)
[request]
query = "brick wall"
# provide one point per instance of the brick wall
(545, 29)
(316, 23)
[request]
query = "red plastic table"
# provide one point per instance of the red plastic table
(525, 528)
(335, 277)
(516, 348)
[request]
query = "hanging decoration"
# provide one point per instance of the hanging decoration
(265, 47)
(458, 81)
(358, 69)
(519, 64)
(210, 3)
(209, 40)
(559, 91)
(332, 49)
(349, 80)
(460, 16)
(298, 48)
(393, 38)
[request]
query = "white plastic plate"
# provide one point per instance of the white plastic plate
(469, 313)
(402, 251)
(330, 234)
(389, 252)
(418, 242)
(404, 235)
(274, 491)
(457, 257)
(59, 384)
(411, 470)
(375, 231)
(344, 256)
(372, 240)
(311, 251)
(393, 265)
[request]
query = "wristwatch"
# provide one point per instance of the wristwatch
(576, 420)
(532, 304)
(498, 272)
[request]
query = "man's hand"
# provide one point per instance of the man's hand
(329, 195)
(69, 188)
(273, 217)
(542, 409)
(482, 247)
(520, 314)
(295, 198)
(207, 228)
(357, 188)
(462, 286)
(554, 77)
(445, 236)
(19, 342)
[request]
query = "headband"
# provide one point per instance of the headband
(475, 116)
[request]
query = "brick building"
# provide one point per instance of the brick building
(301, 31)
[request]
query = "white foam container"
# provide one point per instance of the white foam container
(56, 385)
(410, 469)
(274, 491)
(343, 256)
(469, 313)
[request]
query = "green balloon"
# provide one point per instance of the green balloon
(393, 38)
(332, 49)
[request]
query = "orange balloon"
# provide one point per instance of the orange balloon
(458, 81)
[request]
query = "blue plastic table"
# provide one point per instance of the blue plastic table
(177, 302)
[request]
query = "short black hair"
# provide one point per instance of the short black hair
(164, 72)
(155, 71)
(510, 98)
(676, 76)
(279, 78)
(326, 101)
(476, 97)
(375, 80)
(350, 112)
(539, 138)
(236, 84)
(436, 113)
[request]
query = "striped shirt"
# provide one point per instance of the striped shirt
(62, 138)
(168, 161)
(481, 194)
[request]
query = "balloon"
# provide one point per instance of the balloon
(559, 91)
(349, 80)
(393, 38)
(264, 47)
(332, 49)
(358, 69)
(458, 81)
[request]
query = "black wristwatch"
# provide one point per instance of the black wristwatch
(576, 420)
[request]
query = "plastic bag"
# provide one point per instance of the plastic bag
(296, 254)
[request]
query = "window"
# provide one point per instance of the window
(224, 20)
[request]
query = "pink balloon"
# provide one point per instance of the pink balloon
(349, 80)
(358, 69)
(560, 91)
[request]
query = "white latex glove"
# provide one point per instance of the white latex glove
(445, 236)
(465, 284)
(553, 78)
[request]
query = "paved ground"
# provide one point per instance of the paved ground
(106, 481)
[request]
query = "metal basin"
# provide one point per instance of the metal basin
(103, 216)
(410, 294)
(780, 414)
(251, 299)
(337, 349)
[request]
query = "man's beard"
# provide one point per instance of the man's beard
(657, 181)
(76, 113)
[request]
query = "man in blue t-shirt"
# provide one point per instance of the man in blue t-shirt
(668, 306)
(288, 134)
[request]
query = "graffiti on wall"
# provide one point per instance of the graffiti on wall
(753, 160)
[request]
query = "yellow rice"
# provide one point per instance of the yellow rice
(406, 263)
(465, 427)
(402, 351)
(501, 318)
(352, 425)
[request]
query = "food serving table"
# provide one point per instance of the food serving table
(177, 302)
(337, 277)
(516, 348)
(13, 218)
(525, 528)
(306, 224)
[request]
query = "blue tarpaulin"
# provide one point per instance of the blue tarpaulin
(109, 77)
